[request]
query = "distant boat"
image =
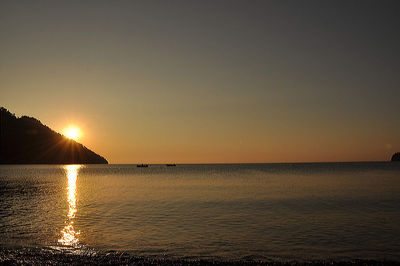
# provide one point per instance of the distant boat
(142, 165)
(170, 164)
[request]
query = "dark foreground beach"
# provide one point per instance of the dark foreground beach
(42, 256)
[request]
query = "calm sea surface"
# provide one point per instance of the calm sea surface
(259, 211)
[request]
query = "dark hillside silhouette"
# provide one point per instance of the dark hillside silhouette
(26, 140)
(396, 157)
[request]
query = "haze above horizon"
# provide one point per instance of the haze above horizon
(208, 81)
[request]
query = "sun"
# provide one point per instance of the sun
(72, 132)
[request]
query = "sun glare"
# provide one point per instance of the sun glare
(72, 132)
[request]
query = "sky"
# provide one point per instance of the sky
(209, 81)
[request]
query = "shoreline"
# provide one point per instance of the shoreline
(50, 256)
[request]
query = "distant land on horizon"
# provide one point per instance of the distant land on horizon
(25, 140)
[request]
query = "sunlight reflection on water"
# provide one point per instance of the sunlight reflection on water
(69, 237)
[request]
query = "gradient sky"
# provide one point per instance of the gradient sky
(209, 81)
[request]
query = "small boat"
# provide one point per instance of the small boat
(170, 164)
(142, 165)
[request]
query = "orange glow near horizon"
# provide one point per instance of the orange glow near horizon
(72, 132)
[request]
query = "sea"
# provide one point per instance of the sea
(288, 212)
